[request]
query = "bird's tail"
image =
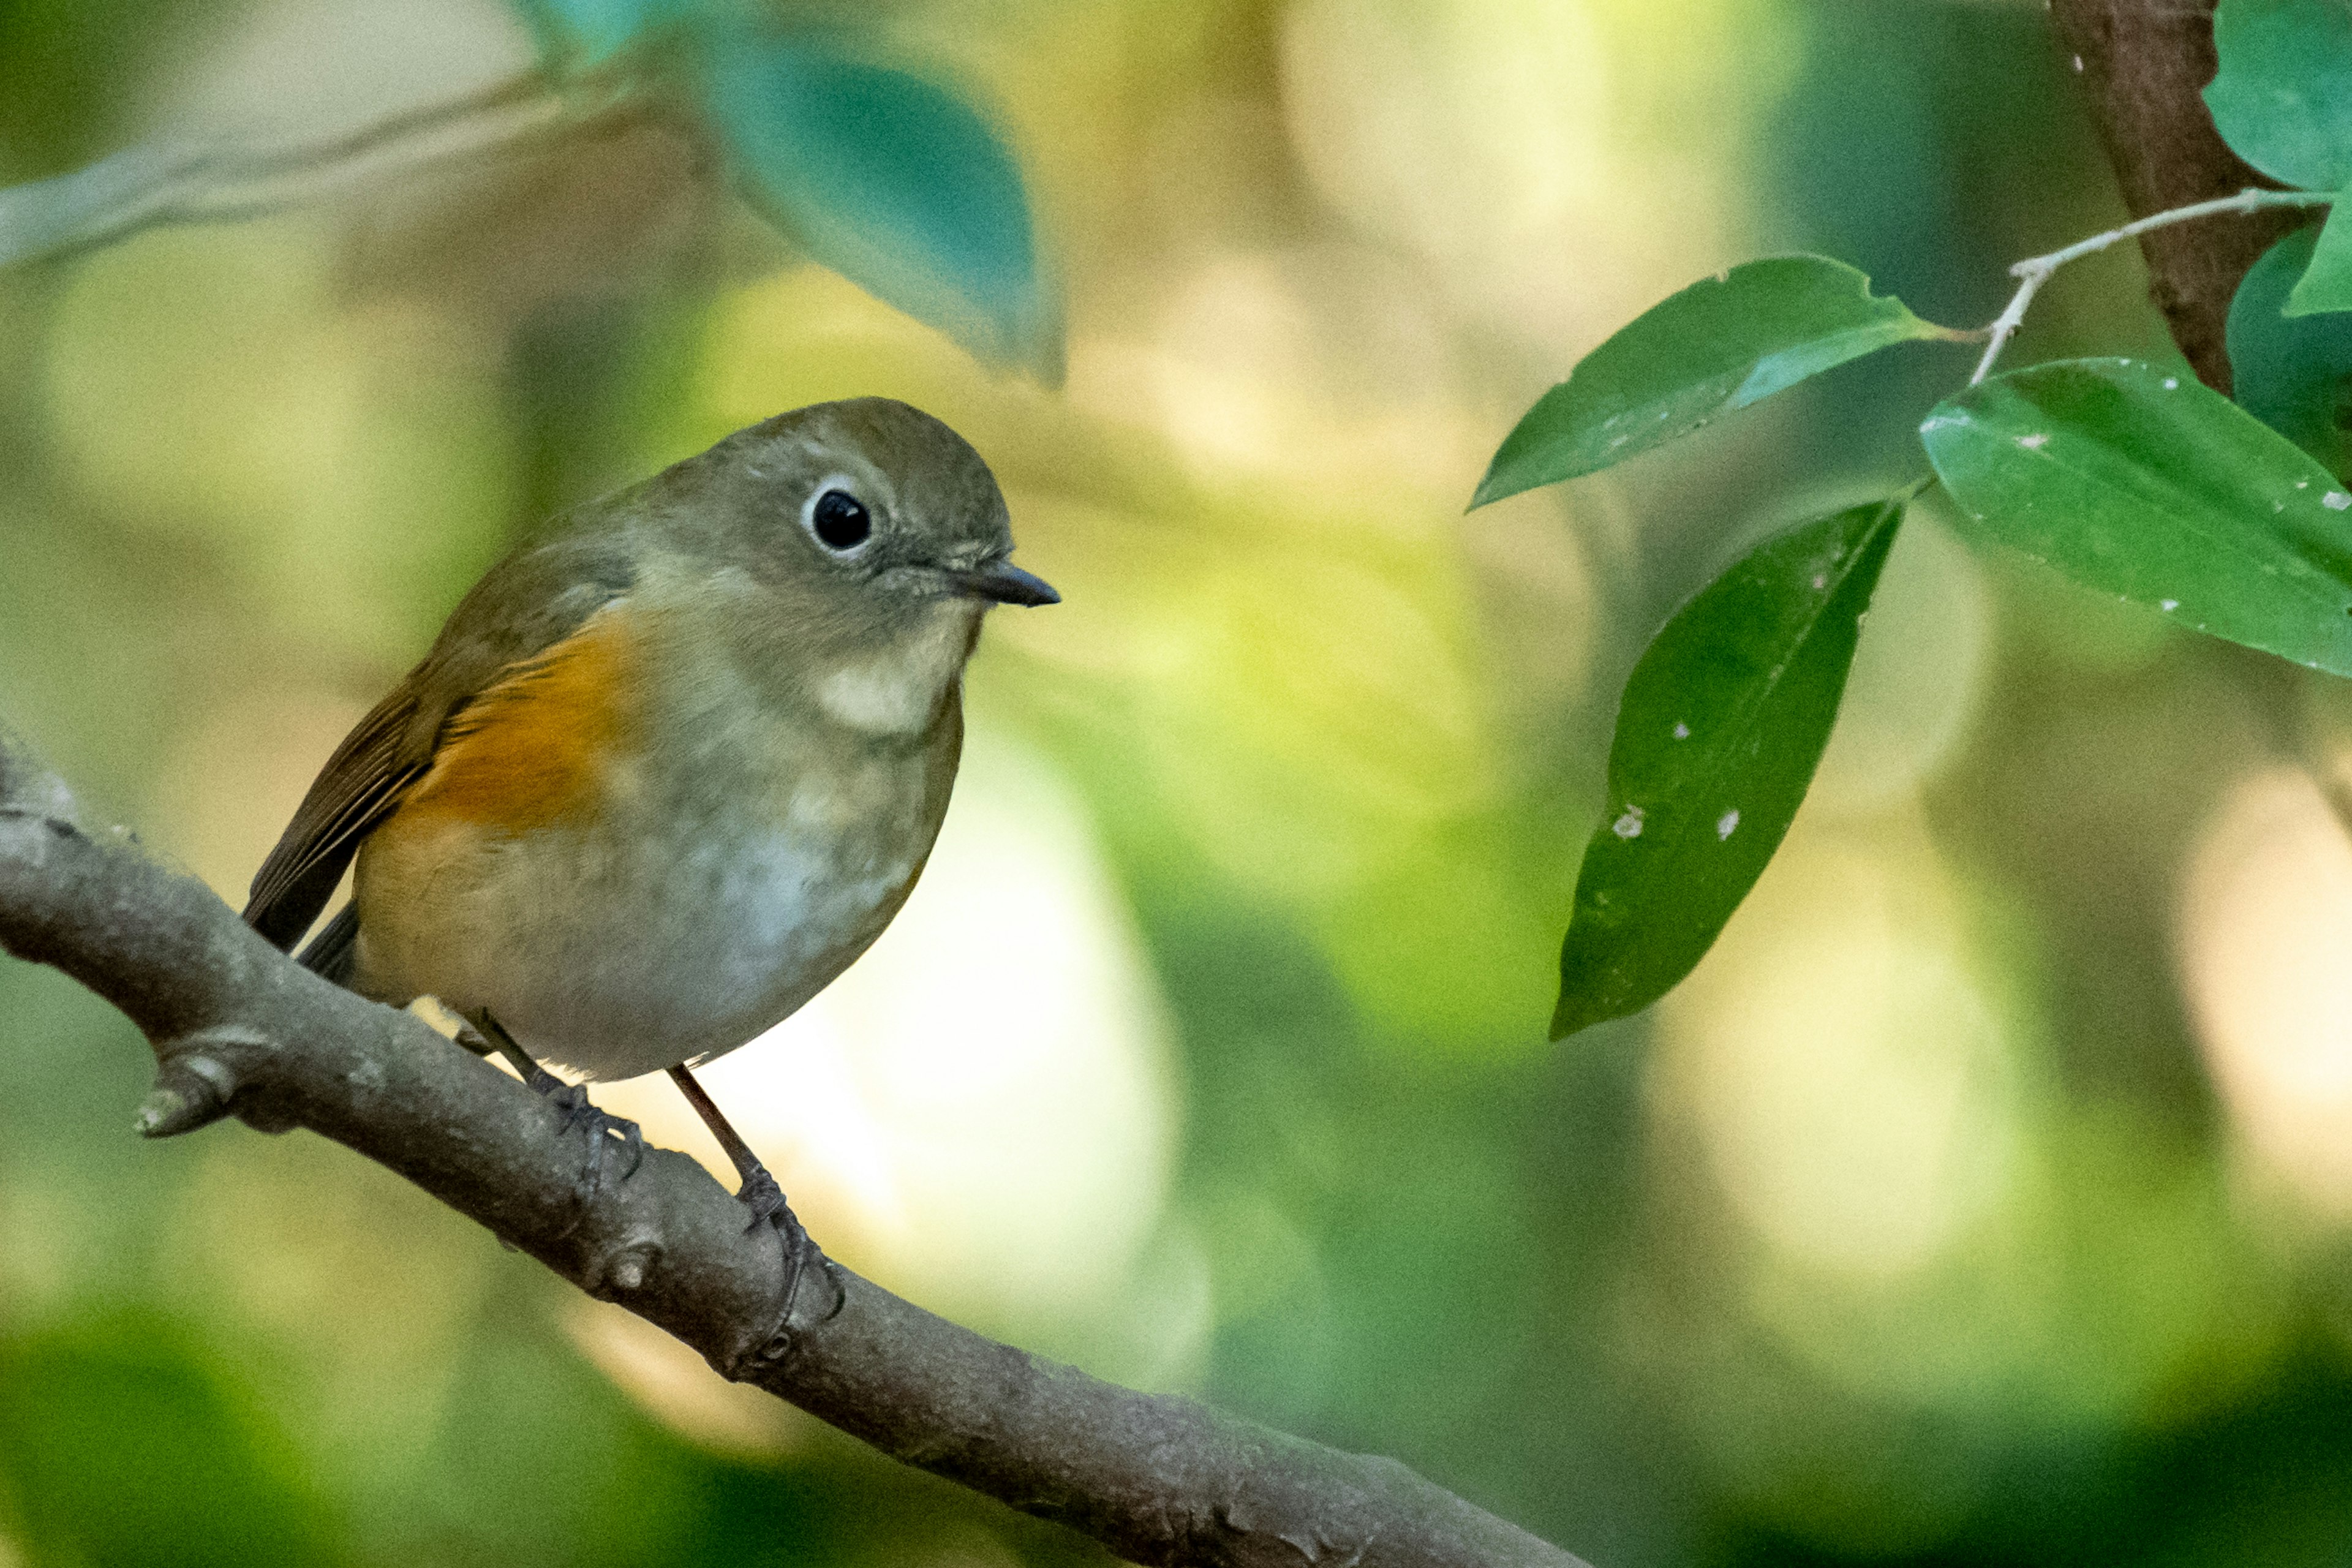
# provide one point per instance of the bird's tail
(331, 951)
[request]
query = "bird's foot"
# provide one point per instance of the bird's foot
(602, 1126)
(484, 1035)
(761, 1194)
(803, 1257)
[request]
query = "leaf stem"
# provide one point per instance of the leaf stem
(2036, 271)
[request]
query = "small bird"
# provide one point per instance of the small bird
(671, 766)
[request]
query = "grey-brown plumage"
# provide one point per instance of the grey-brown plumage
(672, 766)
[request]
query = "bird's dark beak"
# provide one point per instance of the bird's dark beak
(1005, 584)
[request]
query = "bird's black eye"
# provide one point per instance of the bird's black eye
(839, 521)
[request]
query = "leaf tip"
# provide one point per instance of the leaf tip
(1496, 486)
(1567, 1018)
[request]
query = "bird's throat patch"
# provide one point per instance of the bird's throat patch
(897, 690)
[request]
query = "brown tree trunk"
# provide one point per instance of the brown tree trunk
(2145, 63)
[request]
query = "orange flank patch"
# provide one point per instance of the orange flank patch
(529, 751)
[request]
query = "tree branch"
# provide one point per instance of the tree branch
(240, 1030)
(2145, 64)
(180, 181)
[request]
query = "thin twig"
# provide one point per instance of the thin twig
(2036, 271)
(209, 182)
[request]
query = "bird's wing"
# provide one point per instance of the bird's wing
(359, 787)
(526, 605)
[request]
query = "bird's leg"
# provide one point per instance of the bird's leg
(764, 1198)
(759, 1192)
(570, 1097)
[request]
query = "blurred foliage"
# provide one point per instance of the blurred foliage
(1975, 1200)
(897, 184)
(70, 73)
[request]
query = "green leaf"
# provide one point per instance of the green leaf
(2327, 283)
(2141, 482)
(2294, 373)
(891, 182)
(1721, 344)
(1722, 724)
(2283, 96)
(580, 34)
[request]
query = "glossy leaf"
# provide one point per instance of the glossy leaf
(2141, 482)
(2294, 373)
(890, 180)
(1718, 345)
(1722, 725)
(2283, 96)
(2327, 282)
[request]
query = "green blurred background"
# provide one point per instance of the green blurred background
(1982, 1199)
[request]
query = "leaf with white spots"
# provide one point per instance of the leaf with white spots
(2159, 490)
(1721, 344)
(1723, 723)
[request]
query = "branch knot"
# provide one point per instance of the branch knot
(193, 1084)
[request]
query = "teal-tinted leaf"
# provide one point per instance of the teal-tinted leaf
(579, 34)
(891, 182)
(2140, 482)
(2283, 96)
(1721, 344)
(2327, 282)
(2294, 373)
(1723, 723)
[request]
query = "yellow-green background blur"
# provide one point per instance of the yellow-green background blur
(1982, 1198)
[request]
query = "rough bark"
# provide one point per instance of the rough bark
(240, 1030)
(2145, 64)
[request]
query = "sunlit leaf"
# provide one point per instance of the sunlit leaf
(580, 34)
(1721, 726)
(2141, 482)
(2283, 96)
(892, 182)
(2327, 282)
(2294, 373)
(1721, 344)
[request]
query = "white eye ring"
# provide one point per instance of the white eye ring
(842, 528)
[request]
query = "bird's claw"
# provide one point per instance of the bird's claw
(482, 1034)
(765, 1199)
(761, 1194)
(581, 1113)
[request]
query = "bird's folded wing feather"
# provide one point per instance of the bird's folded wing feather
(525, 605)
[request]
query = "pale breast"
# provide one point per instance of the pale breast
(713, 891)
